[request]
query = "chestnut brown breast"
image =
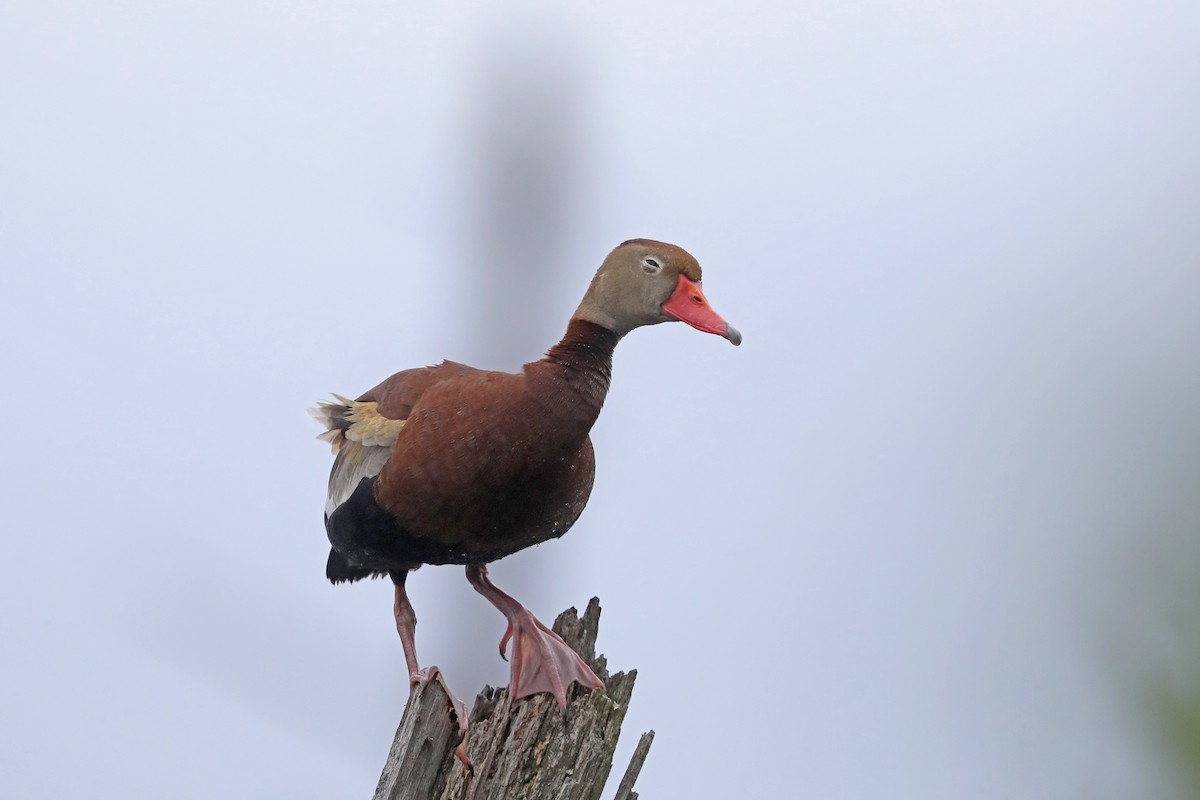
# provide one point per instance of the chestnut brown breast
(486, 464)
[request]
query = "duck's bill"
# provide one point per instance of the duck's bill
(689, 305)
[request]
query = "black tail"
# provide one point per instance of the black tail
(338, 570)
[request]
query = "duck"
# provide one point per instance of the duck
(449, 464)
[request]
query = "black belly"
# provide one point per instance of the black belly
(368, 540)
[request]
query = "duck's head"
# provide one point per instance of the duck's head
(644, 282)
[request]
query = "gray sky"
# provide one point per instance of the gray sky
(962, 243)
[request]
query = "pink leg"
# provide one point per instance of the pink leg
(541, 660)
(406, 626)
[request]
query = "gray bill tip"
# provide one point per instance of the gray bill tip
(733, 335)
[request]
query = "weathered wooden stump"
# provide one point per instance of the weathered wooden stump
(523, 750)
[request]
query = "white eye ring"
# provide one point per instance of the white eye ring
(650, 265)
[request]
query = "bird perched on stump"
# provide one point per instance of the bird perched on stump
(455, 465)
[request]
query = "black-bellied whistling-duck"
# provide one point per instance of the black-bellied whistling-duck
(456, 465)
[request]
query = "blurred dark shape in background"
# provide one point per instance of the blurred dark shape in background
(520, 197)
(524, 151)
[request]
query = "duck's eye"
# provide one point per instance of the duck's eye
(650, 265)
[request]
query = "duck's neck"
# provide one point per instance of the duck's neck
(575, 373)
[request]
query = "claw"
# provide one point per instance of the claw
(460, 753)
(504, 642)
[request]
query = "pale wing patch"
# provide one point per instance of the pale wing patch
(350, 420)
(370, 428)
(361, 437)
(353, 463)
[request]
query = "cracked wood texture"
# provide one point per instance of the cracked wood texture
(527, 750)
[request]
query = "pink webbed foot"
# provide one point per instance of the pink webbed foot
(541, 660)
(460, 708)
(433, 673)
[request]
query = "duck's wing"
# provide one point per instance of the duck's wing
(361, 432)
